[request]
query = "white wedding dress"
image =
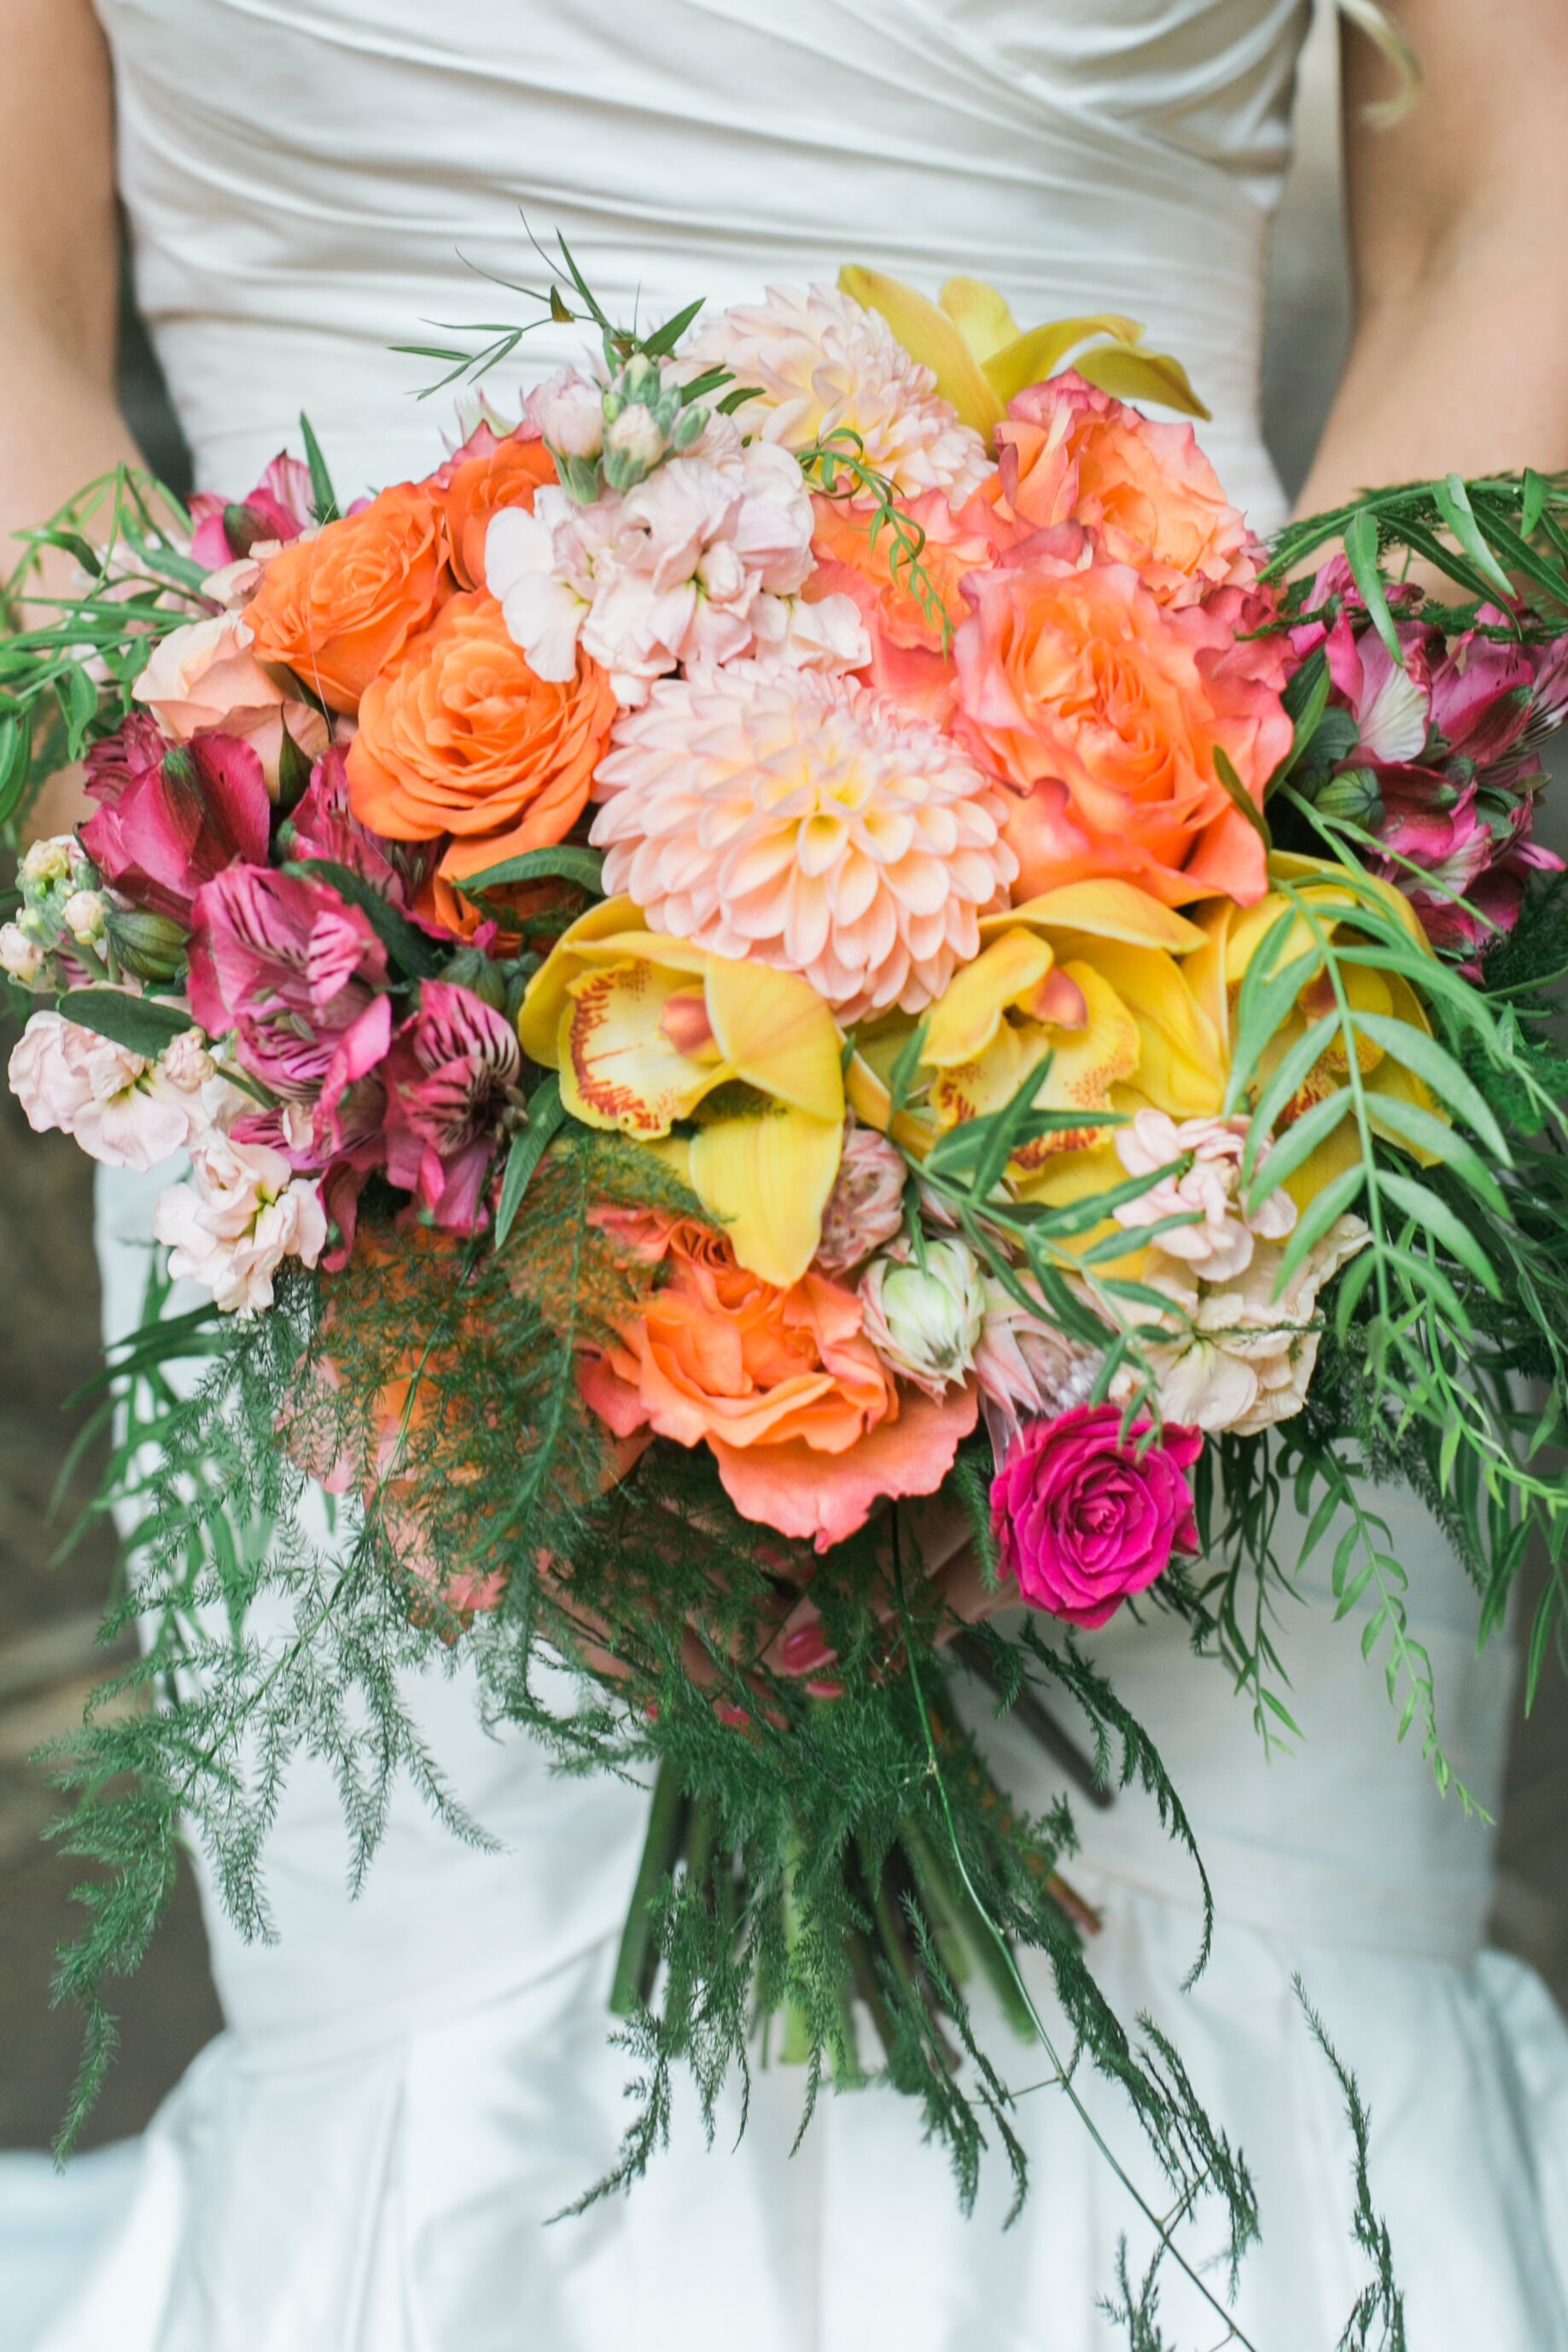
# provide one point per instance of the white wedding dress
(411, 2087)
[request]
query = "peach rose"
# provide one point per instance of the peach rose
(338, 607)
(805, 1423)
(457, 736)
(206, 675)
(1105, 711)
(506, 473)
(851, 561)
(1070, 453)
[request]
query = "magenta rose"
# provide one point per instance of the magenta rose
(1083, 1519)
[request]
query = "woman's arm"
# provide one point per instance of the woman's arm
(59, 426)
(1457, 216)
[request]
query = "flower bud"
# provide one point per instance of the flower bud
(926, 1321)
(48, 861)
(83, 915)
(149, 946)
(471, 969)
(21, 957)
(186, 1063)
(633, 445)
(569, 413)
(1354, 795)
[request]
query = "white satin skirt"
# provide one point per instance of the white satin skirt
(373, 2157)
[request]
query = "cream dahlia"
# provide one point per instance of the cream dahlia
(804, 820)
(822, 364)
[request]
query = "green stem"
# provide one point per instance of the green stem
(634, 1962)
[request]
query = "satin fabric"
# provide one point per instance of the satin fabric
(410, 2087)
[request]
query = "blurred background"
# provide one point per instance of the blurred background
(50, 1605)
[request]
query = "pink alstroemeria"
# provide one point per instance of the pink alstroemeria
(324, 826)
(171, 816)
(302, 978)
(446, 1077)
(278, 510)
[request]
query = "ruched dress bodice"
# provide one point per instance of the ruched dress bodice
(408, 2087)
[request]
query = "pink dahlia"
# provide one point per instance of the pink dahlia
(807, 821)
(824, 364)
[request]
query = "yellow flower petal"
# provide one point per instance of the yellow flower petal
(617, 1067)
(1085, 1065)
(1105, 909)
(1182, 1064)
(775, 1032)
(1137, 374)
(980, 315)
(928, 335)
(962, 1023)
(539, 1020)
(1029, 358)
(764, 1177)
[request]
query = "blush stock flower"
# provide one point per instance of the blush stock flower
(121, 1108)
(231, 1226)
(700, 563)
(1085, 1515)
(1220, 1239)
(805, 821)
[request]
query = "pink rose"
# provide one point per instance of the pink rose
(1083, 1519)
(205, 676)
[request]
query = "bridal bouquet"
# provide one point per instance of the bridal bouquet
(809, 1001)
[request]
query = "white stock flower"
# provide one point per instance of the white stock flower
(119, 1107)
(243, 1211)
(1239, 1359)
(1219, 1242)
(21, 957)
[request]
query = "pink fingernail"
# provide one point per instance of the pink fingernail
(805, 1648)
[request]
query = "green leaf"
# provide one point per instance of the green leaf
(904, 1076)
(412, 950)
(1241, 798)
(1361, 553)
(564, 861)
(1432, 1215)
(1286, 1081)
(142, 1024)
(547, 1113)
(1521, 555)
(658, 345)
(1454, 506)
(324, 498)
(738, 397)
(1413, 1049)
(1296, 1145)
(1306, 699)
(1537, 490)
(1428, 1133)
(15, 760)
(1266, 999)
(1320, 1214)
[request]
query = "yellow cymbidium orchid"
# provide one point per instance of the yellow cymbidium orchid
(1235, 936)
(644, 1029)
(1088, 980)
(982, 359)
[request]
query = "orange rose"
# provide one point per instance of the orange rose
(796, 1406)
(1105, 710)
(336, 608)
(505, 475)
(1070, 453)
(851, 561)
(459, 736)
